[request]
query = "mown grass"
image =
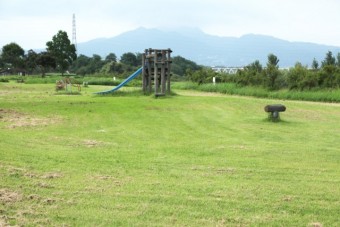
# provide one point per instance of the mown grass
(318, 95)
(51, 79)
(194, 159)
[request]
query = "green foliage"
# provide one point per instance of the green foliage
(180, 65)
(4, 80)
(111, 57)
(272, 72)
(130, 59)
(329, 76)
(329, 60)
(45, 60)
(114, 68)
(62, 50)
(13, 55)
(95, 64)
(31, 61)
(204, 75)
(252, 74)
(318, 95)
(315, 64)
(298, 77)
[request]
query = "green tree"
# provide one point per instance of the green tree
(329, 60)
(31, 61)
(111, 57)
(139, 57)
(62, 50)
(272, 72)
(80, 65)
(13, 55)
(180, 65)
(251, 75)
(327, 76)
(129, 59)
(338, 60)
(315, 64)
(301, 78)
(201, 76)
(95, 64)
(45, 60)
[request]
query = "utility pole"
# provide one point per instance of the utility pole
(74, 32)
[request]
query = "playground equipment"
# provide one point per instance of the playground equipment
(155, 69)
(274, 111)
(157, 65)
(66, 84)
(127, 80)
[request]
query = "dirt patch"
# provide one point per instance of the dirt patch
(44, 185)
(7, 196)
(225, 171)
(51, 175)
(3, 223)
(287, 198)
(111, 179)
(315, 224)
(92, 143)
(50, 201)
(17, 119)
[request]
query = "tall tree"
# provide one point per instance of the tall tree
(272, 71)
(62, 50)
(31, 60)
(315, 65)
(13, 55)
(129, 59)
(329, 60)
(45, 60)
(111, 57)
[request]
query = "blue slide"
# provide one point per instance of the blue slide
(127, 80)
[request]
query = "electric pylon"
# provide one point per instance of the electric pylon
(74, 32)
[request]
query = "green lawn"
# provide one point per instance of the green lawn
(193, 159)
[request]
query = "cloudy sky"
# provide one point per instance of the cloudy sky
(31, 23)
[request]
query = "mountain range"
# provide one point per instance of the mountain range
(209, 50)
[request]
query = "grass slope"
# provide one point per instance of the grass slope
(187, 160)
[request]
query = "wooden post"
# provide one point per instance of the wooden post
(163, 82)
(156, 72)
(168, 67)
(144, 73)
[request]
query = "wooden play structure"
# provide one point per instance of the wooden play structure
(156, 68)
(67, 84)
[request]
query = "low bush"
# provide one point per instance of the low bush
(320, 95)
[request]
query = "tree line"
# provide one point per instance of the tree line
(60, 56)
(324, 75)
(270, 76)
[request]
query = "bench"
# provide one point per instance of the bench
(274, 110)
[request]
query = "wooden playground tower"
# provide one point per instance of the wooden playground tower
(156, 68)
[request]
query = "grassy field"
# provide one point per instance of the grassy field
(192, 159)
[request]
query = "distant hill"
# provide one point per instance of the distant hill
(209, 50)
